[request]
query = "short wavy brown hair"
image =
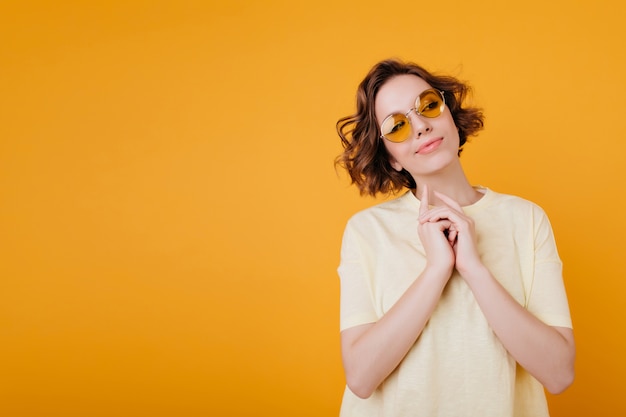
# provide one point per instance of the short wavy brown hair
(364, 155)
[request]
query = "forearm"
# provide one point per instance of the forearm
(371, 352)
(545, 352)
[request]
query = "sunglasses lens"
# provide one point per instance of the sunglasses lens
(396, 128)
(430, 103)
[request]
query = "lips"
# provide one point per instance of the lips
(429, 146)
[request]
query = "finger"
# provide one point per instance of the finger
(449, 201)
(424, 200)
(459, 220)
(436, 214)
(439, 226)
(452, 234)
(444, 224)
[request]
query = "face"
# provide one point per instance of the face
(433, 143)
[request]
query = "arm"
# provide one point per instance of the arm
(372, 351)
(546, 352)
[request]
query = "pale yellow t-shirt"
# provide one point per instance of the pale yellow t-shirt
(457, 367)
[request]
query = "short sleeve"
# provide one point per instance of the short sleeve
(356, 305)
(548, 299)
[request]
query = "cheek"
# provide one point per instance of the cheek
(452, 128)
(397, 153)
(456, 138)
(394, 150)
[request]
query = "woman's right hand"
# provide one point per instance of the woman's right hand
(437, 238)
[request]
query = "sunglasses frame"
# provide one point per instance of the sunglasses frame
(416, 110)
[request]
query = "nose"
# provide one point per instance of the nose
(420, 124)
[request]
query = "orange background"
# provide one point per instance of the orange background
(170, 217)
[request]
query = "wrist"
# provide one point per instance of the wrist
(473, 272)
(439, 271)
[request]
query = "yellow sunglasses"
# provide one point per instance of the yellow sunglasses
(397, 127)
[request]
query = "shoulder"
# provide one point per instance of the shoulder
(511, 203)
(499, 208)
(390, 211)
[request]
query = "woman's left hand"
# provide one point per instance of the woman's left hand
(462, 229)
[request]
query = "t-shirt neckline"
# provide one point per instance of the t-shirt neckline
(487, 194)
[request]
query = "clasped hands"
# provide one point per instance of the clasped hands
(447, 234)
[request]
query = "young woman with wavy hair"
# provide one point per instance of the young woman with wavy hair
(452, 297)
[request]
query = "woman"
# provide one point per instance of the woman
(452, 298)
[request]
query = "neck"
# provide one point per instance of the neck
(452, 183)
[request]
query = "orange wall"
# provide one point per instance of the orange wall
(170, 218)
